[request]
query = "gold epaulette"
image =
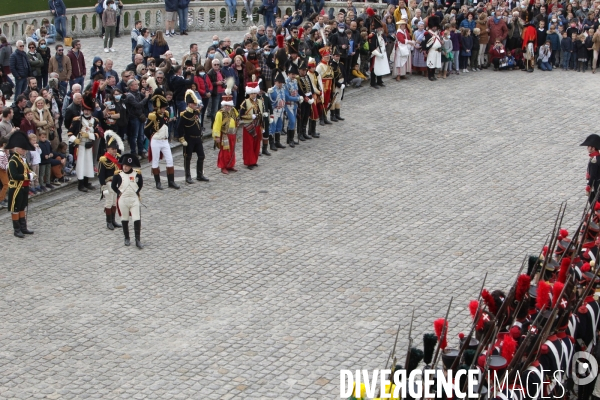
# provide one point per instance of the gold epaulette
(138, 171)
(103, 159)
(152, 116)
(75, 119)
(117, 171)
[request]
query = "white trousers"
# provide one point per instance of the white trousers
(161, 146)
(129, 204)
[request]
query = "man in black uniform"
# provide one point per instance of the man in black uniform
(338, 80)
(19, 176)
(593, 170)
(189, 133)
(306, 111)
(108, 167)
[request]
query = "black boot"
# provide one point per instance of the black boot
(17, 228)
(321, 118)
(272, 143)
(325, 119)
(113, 215)
(188, 174)
(333, 117)
(81, 186)
(304, 135)
(126, 232)
(290, 138)
(156, 173)
(294, 141)
(337, 114)
(278, 141)
(23, 223)
(87, 184)
(300, 128)
(171, 178)
(200, 171)
(109, 223)
(137, 228)
(265, 147)
(312, 129)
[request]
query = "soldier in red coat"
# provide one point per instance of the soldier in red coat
(529, 43)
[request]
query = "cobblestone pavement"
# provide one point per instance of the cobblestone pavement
(264, 284)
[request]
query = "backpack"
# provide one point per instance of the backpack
(99, 7)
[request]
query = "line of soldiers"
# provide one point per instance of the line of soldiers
(539, 339)
(303, 93)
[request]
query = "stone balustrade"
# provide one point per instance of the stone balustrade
(203, 16)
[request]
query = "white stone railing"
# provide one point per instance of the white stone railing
(203, 16)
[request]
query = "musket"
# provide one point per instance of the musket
(467, 339)
(393, 353)
(487, 363)
(550, 250)
(406, 361)
(442, 336)
(476, 318)
(546, 329)
(512, 366)
(587, 289)
(510, 297)
(533, 273)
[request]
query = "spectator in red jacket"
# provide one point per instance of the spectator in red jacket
(497, 53)
(77, 64)
(205, 89)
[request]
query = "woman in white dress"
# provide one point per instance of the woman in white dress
(404, 46)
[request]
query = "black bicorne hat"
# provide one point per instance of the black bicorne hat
(129, 159)
(19, 139)
(592, 140)
(279, 78)
(158, 98)
(190, 97)
(292, 69)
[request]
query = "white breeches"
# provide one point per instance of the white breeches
(127, 204)
(161, 146)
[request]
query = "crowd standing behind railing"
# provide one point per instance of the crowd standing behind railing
(46, 79)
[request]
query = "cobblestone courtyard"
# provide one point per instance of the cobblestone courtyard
(264, 284)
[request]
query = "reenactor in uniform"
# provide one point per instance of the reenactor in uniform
(340, 84)
(292, 99)
(127, 184)
(224, 134)
(593, 170)
(251, 118)
(267, 113)
(108, 167)
(326, 76)
(157, 132)
(83, 132)
(317, 85)
(19, 177)
(189, 133)
(307, 112)
(277, 96)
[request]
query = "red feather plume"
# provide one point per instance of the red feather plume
(489, 301)
(597, 206)
(370, 12)
(95, 87)
(556, 291)
(543, 294)
(523, 283)
(438, 325)
(545, 251)
(473, 306)
(508, 348)
(564, 269)
(585, 267)
(564, 233)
